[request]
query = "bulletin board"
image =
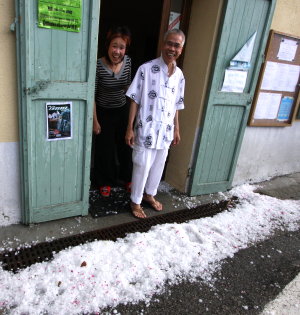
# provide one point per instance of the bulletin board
(275, 99)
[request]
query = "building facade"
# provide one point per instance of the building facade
(260, 152)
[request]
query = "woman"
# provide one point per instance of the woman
(112, 160)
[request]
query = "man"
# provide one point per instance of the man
(156, 95)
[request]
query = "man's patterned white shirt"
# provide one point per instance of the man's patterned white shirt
(159, 97)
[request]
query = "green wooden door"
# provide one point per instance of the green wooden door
(226, 113)
(55, 66)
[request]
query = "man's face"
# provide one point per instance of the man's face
(172, 48)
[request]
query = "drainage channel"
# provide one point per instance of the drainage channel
(15, 260)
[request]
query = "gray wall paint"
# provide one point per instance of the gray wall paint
(10, 198)
(267, 152)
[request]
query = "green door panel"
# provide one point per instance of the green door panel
(59, 179)
(218, 147)
(55, 66)
(226, 113)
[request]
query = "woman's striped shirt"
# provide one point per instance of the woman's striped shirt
(110, 88)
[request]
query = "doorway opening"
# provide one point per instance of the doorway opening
(144, 27)
(147, 30)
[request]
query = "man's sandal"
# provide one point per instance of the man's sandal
(152, 202)
(137, 211)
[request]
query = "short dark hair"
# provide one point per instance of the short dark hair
(175, 31)
(119, 31)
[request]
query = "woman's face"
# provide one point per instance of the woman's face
(116, 50)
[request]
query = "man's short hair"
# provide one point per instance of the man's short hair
(175, 31)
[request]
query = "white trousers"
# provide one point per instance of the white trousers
(148, 166)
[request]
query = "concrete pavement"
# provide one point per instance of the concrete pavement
(12, 236)
(287, 302)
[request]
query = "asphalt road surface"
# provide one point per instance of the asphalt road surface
(244, 284)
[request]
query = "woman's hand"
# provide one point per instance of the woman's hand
(96, 127)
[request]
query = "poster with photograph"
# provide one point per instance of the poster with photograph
(59, 121)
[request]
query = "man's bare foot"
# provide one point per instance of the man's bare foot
(137, 211)
(152, 202)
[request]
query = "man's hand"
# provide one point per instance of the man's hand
(176, 139)
(129, 137)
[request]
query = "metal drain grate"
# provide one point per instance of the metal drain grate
(25, 257)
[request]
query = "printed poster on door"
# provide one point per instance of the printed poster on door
(174, 20)
(59, 121)
(60, 14)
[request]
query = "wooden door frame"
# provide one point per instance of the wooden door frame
(184, 23)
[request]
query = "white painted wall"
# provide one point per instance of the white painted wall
(10, 199)
(267, 152)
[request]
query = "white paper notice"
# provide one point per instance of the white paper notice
(174, 20)
(267, 106)
(234, 81)
(245, 53)
(287, 50)
(280, 77)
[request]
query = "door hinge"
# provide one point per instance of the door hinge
(189, 172)
(13, 25)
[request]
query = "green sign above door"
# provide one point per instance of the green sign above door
(60, 14)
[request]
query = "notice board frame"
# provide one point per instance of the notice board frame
(297, 111)
(272, 49)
